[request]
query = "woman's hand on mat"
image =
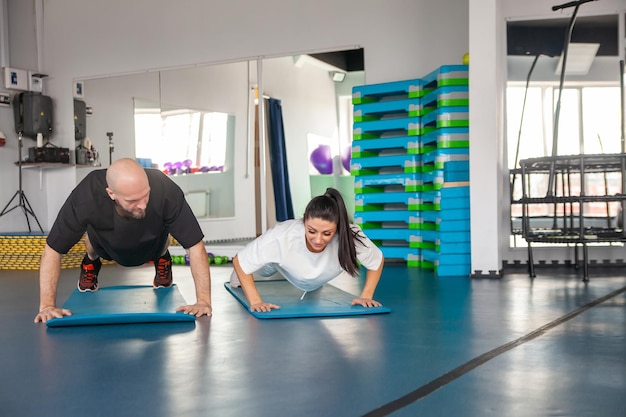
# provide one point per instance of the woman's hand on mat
(366, 302)
(198, 309)
(263, 307)
(48, 313)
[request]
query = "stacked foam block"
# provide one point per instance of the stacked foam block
(410, 162)
(23, 252)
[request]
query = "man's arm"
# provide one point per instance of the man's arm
(49, 272)
(199, 263)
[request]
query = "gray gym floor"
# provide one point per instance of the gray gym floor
(552, 346)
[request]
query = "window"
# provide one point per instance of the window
(182, 138)
(589, 123)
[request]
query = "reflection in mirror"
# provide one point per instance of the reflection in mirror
(313, 102)
(181, 141)
(217, 92)
(191, 147)
(316, 104)
(86, 153)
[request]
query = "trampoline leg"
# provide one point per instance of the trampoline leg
(531, 262)
(585, 264)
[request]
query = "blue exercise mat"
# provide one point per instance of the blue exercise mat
(324, 302)
(122, 305)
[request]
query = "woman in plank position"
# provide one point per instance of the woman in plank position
(309, 252)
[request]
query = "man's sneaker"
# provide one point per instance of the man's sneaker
(163, 266)
(89, 269)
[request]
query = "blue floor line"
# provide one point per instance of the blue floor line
(456, 373)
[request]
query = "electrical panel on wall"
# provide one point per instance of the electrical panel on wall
(35, 81)
(5, 99)
(15, 79)
(18, 79)
(79, 89)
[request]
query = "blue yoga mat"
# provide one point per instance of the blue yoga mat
(122, 305)
(324, 302)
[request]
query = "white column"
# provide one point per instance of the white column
(487, 40)
(262, 146)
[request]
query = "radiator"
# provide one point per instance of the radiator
(199, 202)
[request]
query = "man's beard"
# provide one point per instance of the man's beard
(129, 214)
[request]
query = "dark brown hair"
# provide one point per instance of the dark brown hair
(331, 207)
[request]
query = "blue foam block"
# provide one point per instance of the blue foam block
(405, 126)
(123, 304)
(326, 301)
(442, 117)
(445, 137)
(446, 75)
(406, 163)
(406, 216)
(377, 201)
(408, 144)
(375, 111)
(375, 92)
(378, 182)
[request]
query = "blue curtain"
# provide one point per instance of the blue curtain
(278, 160)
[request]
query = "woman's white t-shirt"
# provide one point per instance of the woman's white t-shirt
(283, 249)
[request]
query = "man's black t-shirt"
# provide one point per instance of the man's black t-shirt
(129, 242)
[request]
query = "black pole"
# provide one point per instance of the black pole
(521, 122)
(570, 4)
(22, 201)
(555, 136)
(111, 147)
(621, 89)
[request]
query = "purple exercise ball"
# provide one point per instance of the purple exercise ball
(346, 157)
(322, 160)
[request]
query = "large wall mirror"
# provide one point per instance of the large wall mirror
(159, 116)
(205, 116)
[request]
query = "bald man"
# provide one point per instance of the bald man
(128, 214)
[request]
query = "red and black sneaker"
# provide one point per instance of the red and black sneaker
(89, 269)
(163, 277)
